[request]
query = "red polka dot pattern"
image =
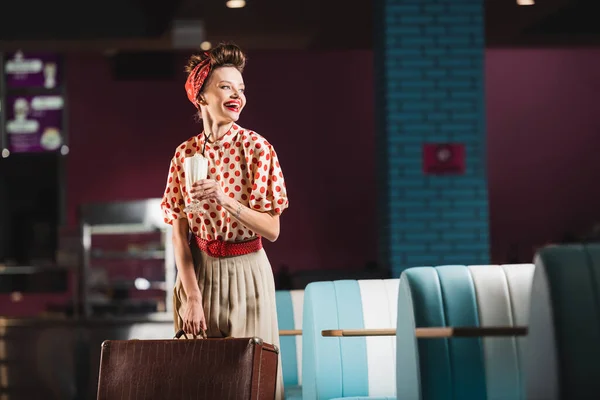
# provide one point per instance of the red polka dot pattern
(247, 167)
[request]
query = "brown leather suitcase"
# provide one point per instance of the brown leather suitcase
(174, 369)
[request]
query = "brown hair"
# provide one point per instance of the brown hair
(224, 55)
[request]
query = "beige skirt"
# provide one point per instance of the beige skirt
(238, 296)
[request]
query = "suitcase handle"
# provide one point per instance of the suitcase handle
(182, 333)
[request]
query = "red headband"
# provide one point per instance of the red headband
(196, 79)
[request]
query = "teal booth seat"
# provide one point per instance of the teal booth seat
(349, 367)
(289, 316)
(562, 356)
(486, 368)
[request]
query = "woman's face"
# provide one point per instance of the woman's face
(223, 95)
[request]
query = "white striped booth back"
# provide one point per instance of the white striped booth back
(289, 317)
(457, 295)
(335, 368)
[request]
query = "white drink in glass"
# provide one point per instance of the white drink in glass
(195, 168)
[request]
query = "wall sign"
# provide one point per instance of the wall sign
(33, 103)
(443, 159)
(32, 70)
(34, 123)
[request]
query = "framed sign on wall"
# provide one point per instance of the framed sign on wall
(34, 104)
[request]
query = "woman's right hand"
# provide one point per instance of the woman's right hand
(193, 318)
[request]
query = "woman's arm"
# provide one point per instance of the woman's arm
(263, 223)
(184, 260)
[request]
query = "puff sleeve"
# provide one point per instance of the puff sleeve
(269, 192)
(172, 203)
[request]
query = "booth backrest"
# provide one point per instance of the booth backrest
(458, 295)
(289, 317)
(349, 366)
(562, 356)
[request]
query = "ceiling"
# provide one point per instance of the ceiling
(547, 23)
(72, 25)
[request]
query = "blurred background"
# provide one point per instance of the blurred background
(410, 133)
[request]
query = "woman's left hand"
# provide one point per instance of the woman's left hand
(206, 189)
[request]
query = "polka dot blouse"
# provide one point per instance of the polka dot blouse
(247, 167)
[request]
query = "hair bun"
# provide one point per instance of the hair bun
(223, 55)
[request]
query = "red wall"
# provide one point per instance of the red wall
(543, 121)
(316, 109)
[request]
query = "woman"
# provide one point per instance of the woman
(225, 284)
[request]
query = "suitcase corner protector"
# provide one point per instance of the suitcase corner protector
(257, 340)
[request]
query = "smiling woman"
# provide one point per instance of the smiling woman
(225, 285)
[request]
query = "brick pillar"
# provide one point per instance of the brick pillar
(430, 74)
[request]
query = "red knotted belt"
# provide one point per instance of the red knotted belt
(221, 248)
